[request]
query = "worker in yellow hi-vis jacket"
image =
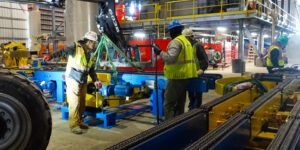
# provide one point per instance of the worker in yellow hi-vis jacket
(80, 65)
(274, 58)
(179, 68)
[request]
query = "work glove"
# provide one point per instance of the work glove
(200, 72)
(46, 58)
(157, 50)
(98, 84)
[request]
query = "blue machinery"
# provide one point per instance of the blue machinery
(54, 82)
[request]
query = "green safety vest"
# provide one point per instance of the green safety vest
(78, 61)
(280, 60)
(185, 66)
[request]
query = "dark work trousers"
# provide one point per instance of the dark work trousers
(195, 100)
(175, 96)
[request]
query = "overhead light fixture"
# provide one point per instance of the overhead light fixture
(140, 6)
(237, 31)
(132, 8)
(221, 29)
(266, 36)
(139, 34)
(254, 34)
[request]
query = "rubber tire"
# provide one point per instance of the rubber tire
(29, 95)
(17, 123)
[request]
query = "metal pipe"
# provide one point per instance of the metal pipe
(57, 63)
(156, 92)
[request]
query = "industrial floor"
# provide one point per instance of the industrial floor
(98, 138)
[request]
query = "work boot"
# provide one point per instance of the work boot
(83, 125)
(76, 130)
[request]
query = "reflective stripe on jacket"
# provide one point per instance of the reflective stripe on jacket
(185, 66)
(78, 61)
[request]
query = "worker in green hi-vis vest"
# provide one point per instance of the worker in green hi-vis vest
(274, 58)
(179, 68)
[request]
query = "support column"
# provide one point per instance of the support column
(54, 40)
(241, 40)
(238, 65)
(80, 18)
(243, 4)
(260, 41)
(281, 12)
(289, 6)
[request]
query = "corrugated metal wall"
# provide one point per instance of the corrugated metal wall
(13, 22)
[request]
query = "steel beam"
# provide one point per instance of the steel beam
(241, 40)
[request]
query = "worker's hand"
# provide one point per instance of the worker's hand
(98, 84)
(157, 50)
(46, 58)
(200, 72)
(275, 69)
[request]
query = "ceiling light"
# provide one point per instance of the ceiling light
(222, 29)
(139, 34)
(254, 34)
(140, 6)
(266, 36)
(132, 8)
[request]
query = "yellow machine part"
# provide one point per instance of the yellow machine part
(270, 109)
(264, 113)
(220, 83)
(225, 110)
(14, 61)
(269, 114)
(29, 72)
(104, 78)
(95, 101)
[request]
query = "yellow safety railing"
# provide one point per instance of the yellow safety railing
(179, 9)
(284, 18)
(205, 10)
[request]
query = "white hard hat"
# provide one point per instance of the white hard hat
(187, 32)
(91, 35)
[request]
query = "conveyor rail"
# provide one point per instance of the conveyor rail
(240, 130)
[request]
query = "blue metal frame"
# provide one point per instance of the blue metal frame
(57, 77)
(109, 117)
(201, 84)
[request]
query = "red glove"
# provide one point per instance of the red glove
(46, 58)
(98, 84)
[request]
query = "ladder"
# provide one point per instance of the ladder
(251, 53)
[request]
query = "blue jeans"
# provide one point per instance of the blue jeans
(195, 100)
